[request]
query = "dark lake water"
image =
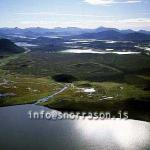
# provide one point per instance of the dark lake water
(19, 132)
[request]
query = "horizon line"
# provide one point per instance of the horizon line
(73, 27)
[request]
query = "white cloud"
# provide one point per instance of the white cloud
(135, 23)
(109, 2)
(61, 14)
(99, 2)
(137, 20)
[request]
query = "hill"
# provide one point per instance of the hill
(8, 47)
(114, 35)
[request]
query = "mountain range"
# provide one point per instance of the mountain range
(101, 33)
(63, 31)
(115, 35)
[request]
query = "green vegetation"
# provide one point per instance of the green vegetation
(121, 82)
(23, 89)
(108, 96)
(130, 69)
(26, 89)
(91, 67)
(114, 91)
(8, 58)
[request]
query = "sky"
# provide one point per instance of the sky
(121, 14)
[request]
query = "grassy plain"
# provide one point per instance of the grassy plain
(121, 82)
(23, 89)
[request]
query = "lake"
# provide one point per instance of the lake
(19, 132)
(25, 44)
(98, 52)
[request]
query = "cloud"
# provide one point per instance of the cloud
(137, 20)
(135, 23)
(109, 2)
(61, 14)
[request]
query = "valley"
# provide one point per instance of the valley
(75, 75)
(70, 74)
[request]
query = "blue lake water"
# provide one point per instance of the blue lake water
(19, 132)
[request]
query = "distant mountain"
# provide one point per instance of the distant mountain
(37, 31)
(104, 35)
(127, 31)
(69, 31)
(47, 41)
(101, 29)
(6, 46)
(114, 35)
(145, 32)
(31, 32)
(7, 31)
(136, 36)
